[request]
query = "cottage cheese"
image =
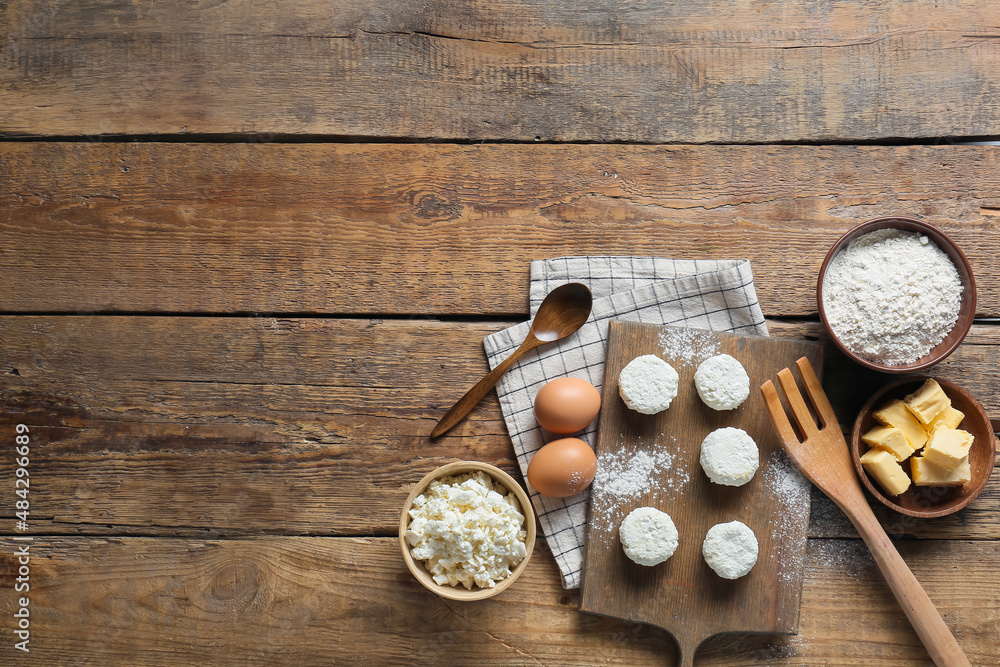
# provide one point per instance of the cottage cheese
(467, 530)
(648, 384)
(729, 456)
(722, 382)
(730, 549)
(648, 536)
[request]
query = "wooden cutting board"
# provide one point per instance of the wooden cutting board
(683, 595)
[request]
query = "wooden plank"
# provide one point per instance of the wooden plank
(227, 426)
(140, 601)
(594, 71)
(444, 229)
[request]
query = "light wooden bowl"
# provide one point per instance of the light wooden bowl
(460, 592)
(967, 309)
(930, 501)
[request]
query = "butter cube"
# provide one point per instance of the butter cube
(927, 402)
(950, 417)
(889, 438)
(926, 473)
(896, 414)
(948, 447)
(881, 465)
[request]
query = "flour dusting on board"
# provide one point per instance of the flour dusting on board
(688, 347)
(784, 482)
(623, 477)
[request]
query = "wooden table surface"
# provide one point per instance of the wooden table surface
(249, 250)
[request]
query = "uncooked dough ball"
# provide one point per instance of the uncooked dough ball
(648, 384)
(730, 549)
(729, 456)
(722, 382)
(648, 536)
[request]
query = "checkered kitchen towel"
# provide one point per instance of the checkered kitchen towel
(704, 294)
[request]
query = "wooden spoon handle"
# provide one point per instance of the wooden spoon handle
(930, 627)
(481, 388)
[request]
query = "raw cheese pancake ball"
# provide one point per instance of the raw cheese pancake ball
(729, 456)
(722, 382)
(648, 384)
(730, 549)
(648, 536)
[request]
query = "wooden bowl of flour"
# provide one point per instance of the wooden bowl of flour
(967, 307)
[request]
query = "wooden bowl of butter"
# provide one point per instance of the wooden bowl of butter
(923, 446)
(467, 530)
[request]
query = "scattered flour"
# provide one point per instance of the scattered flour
(623, 477)
(791, 489)
(891, 295)
(847, 556)
(688, 347)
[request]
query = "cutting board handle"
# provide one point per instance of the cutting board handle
(687, 646)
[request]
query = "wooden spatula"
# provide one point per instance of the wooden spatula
(823, 457)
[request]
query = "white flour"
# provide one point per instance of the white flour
(783, 481)
(688, 347)
(622, 477)
(891, 295)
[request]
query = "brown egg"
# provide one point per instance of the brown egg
(566, 405)
(562, 468)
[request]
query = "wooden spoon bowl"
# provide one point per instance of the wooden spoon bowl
(929, 501)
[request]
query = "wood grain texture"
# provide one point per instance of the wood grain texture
(443, 229)
(719, 71)
(281, 600)
(235, 426)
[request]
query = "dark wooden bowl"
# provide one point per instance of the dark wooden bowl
(929, 501)
(967, 309)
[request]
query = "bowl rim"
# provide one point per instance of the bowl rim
(458, 592)
(967, 311)
(976, 485)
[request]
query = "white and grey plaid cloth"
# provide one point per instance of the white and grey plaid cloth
(704, 294)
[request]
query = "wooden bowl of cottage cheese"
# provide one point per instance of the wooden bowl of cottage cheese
(467, 531)
(896, 295)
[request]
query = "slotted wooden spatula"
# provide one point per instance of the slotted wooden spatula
(822, 455)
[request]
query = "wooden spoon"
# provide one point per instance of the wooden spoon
(823, 457)
(563, 311)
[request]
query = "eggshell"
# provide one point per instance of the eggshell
(562, 468)
(567, 405)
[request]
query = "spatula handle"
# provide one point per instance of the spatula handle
(923, 615)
